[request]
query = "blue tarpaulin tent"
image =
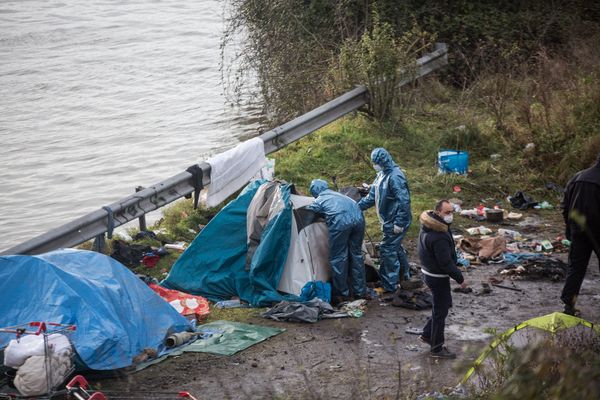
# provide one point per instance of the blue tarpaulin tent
(117, 315)
(214, 265)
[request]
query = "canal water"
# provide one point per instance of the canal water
(100, 96)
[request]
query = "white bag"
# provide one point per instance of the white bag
(30, 379)
(20, 350)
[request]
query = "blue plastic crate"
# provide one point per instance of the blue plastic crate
(453, 161)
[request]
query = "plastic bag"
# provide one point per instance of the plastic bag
(20, 350)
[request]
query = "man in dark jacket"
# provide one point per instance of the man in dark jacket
(581, 211)
(437, 252)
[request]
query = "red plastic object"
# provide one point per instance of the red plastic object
(78, 381)
(186, 304)
(457, 189)
(186, 395)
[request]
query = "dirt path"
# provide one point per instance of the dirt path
(369, 357)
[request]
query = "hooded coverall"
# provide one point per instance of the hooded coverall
(346, 226)
(391, 196)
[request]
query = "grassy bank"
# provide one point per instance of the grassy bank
(342, 150)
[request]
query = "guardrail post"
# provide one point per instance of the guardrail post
(141, 219)
(99, 244)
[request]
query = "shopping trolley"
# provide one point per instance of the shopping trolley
(44, 329)
(79, 389)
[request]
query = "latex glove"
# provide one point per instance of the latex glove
(398, 230)
(464, 285)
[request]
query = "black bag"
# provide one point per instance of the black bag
(129, 254)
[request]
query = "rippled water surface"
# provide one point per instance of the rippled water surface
(97, 97)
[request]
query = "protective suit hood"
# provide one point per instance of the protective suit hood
(317, 186)
(381, 157)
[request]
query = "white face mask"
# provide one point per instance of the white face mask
(377, 167)
(448, 218)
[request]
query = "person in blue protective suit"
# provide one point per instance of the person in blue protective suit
(346, 226)
(391, 197)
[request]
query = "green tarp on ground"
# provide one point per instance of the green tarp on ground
(226, 338)
(230, 337)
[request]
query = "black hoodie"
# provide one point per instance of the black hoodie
(436, 247)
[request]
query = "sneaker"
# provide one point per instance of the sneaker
(425, 340)
(443, 353)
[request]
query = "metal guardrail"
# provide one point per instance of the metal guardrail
(97, 223)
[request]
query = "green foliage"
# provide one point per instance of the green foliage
(562, 366)
(380, 61)
(182, 223)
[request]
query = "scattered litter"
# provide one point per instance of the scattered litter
(544, 205)
(540, 267)
(469, 213)
(457, 189)
(546, 245)
(531, 222)
(453, 161)
(485, 289)
(462, 260)
(485, 248)
(185, 304)
(179, 246)
(465, 290)
(521, 201)
(234, 303)
(412, 347)
(514, 216)
(530, 147)
(509, 233)
(494, 215)
(507, 287)
(480, 230)
(412, 299)
(310, 311)
(515, 258)
(332, 367)
(363, 337)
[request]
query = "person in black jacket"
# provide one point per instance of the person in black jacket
(581, 211)
(437, 252)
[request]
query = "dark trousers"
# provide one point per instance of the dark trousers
(579, 257)
(346, 259)
(442, 301)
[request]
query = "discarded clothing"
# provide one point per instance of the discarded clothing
(129, 254)
(522, 201)
(515, 258)
(231, 170)
(485, 249)
(316, 289)
(150, 260)
(354, 309)
(310, 311)
(412, 299)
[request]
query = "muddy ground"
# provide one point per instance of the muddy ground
(368, 357)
